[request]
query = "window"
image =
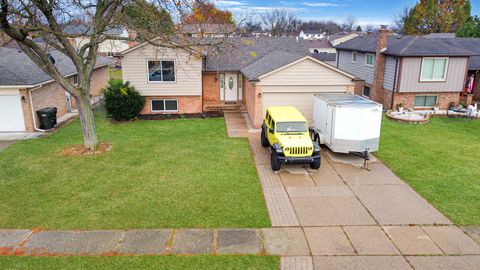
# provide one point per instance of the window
(425, 101)
(369, 59)
(354, 57)
(75, 79)
(161, 71)
(434, 69)
(292, 127)
(164, 105)
(366, 91)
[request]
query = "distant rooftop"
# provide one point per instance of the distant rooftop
(318, 43)
(206, 28)
(440, 35)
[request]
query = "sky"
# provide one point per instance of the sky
(373, 12)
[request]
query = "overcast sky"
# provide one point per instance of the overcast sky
(374, 12)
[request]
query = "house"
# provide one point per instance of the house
(110, 47)
(415, 71)
(253, 73)
(320, 46)
(213, 30)
(25, 88)
(311, 34)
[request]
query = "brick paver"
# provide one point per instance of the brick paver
(412, 240)
(296, 263)
(328, 241)
(452, 240)
(238, 241)
(285, 241)
(360, 262)
(370, 240)
(140, 242)
(473, 232)
(445, 262)
(193, 241)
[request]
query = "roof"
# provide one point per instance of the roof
(285, 113)
(405, 46)
(268, 63)
(470, 44)
(335, 36)
(86, 29)
(318, 43)
(16, 68)
(440, 35)
(239, 52)
(206, 28)
(310, 32)
(347, 100)
(323, 56)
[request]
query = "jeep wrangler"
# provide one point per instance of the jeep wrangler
(285, 130)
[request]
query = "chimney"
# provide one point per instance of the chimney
(379, 72)
(132, 34)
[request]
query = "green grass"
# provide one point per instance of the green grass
(115, 73)
(142, 262)
(440, 160)
(173, 173)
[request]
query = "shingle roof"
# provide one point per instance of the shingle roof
(318, 43)
(440, 35)
(86, 29)
(268, 63)
(323, 56)
(470, 44)
(16, 68)
(405, 46)
(238, 52)
(206, 28)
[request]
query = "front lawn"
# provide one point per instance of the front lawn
(440, 160)
(142, 262)
(173, 173)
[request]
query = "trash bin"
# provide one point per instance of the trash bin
(48, 117)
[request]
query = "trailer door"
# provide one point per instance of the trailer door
(329, 125)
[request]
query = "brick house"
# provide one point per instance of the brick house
(415, 71)
(25, 88)
(252, 73)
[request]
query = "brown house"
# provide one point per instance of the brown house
(25, 88)
(252, 73)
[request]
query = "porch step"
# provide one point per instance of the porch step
(234, 107)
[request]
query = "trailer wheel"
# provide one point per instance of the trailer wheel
(263, 137)
(276, 165)
(315, 165)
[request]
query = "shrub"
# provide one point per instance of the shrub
(122, 101)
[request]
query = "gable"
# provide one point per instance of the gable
(306, 72)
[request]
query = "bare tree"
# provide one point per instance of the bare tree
(399, 19)
(329, 27)
(22, 20)
(279, 21)
(349, 22)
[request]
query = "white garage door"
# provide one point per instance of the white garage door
(302, 101)
(11, 114)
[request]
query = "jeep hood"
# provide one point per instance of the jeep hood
(294, 140)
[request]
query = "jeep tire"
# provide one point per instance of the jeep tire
(263, 137)
(276, 165)
(316, 164)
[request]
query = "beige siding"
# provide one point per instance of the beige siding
(410, 77)
(188, 68)
(303, 89)
(302, 101)
(306, 73)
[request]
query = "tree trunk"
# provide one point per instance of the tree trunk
(87, 120)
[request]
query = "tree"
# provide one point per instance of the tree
(279, 21)
(23, 20)
(349, 22)
(205, 12)
(358, 29)
(324, 26)
(470, 29)
(437, 16)
(399, 19)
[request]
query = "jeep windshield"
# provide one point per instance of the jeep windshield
(292, 127)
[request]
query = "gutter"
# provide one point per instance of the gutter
(33, 109)
(394, 83)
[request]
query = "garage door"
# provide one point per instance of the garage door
(302, 101)
(11, 114)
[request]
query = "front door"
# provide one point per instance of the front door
(231, 87)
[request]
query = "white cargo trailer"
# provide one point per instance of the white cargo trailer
(347, 123)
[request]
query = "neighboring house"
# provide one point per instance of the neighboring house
(338, 38)
(108, 48)
(207, 30)
(261, 33)
(415, 71)
(320, 46)
(250, 72)
(25, 88)
(311, 34)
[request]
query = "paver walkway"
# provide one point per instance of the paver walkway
(365, 219)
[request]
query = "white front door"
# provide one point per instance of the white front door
(11, 113)
(231, 87)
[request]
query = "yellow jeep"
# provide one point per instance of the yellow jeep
(285, 130)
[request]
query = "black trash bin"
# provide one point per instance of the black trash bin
(48, 117)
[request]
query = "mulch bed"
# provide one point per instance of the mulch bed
(78, 150)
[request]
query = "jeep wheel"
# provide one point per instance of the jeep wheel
(263, 137)
(275, 162)
(316, 164)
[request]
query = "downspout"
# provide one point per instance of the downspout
(34, 118)
(394, 83)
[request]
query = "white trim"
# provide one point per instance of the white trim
(138, 46)
(161, 60)
(164, 99)
(302, 59)
(447, 60)
(356, 56)
(366, 57)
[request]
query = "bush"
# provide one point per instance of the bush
(122, 101)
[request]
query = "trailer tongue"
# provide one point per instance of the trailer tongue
(347, 123)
